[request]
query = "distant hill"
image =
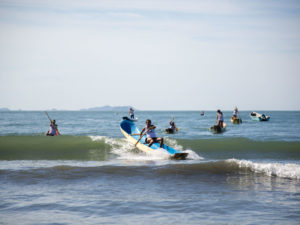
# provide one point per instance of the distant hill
(108, 108)
(4, 109)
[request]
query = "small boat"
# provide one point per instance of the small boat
(130, 119)
(129, 129)
(217, 129)
(236, 120)
(171, 131)
(202, 113)
(259, 117)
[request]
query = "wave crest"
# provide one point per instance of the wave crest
(284, 170)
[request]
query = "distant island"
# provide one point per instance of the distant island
(108, 108)
(101, 108)
(4, 109)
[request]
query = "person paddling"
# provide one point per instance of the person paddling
(172, 125)
(53, 129)
(151, 138)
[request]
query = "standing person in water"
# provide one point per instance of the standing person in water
(131, 113)
(220, 118)
(151, 138)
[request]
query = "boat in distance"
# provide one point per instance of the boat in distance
(130, 131)
(259, 117)
(171, 131)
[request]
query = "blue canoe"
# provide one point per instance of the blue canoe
(128, 128)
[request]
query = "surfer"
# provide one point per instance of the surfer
(131, 113)
(220, 118)
(149, 129)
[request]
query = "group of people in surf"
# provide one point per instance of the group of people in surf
(220, 117)
(149, 129)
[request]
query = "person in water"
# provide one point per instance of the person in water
(220, 118)
(172, 125)
(53, 129)
(131, 113)
(151, 138)
(235, 112)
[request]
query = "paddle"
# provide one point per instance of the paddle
(48, 117)
(141, 137)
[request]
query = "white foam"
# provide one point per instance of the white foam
(173, 143)
(192, 155)
(285, 170)
(126, 151)
(159, 154)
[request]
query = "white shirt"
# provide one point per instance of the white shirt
(150, 133)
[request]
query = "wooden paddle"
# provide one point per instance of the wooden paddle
(48, 117)
(141, 137)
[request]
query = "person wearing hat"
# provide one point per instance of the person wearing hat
(235, 112)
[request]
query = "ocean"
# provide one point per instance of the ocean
(91, 174)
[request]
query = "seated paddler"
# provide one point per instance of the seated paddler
(151, 137)
(172, 125)
(53, 129)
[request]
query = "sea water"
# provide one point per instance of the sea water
(91, 174)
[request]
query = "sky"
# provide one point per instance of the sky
(152, 55)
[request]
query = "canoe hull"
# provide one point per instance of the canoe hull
(217, 129)
(235, 120)
(170, 131)
(132, 120)
(127, 128)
